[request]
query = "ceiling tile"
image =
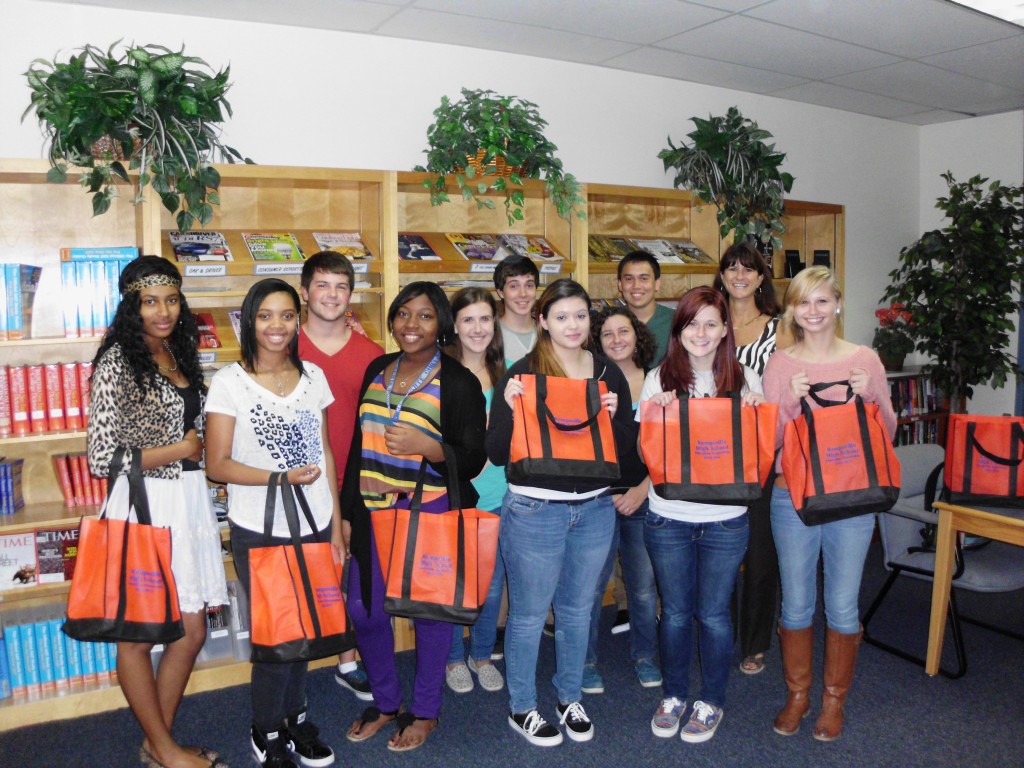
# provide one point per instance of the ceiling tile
(931, 117)
(639, 21)
(755, 43)
(910, 28)
(1000, 62)
(838, 97)
(727, 5)
(912, 81)
(501, 36)
(655, 61)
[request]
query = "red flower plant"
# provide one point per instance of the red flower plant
(896, 314)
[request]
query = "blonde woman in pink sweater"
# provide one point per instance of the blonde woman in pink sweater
(813, 308)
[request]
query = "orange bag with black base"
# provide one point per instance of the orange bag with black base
(838, 460)
(123, 589)
(985, 459)
(713, 450)
(298, 610)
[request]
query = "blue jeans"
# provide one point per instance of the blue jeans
(696, 565)
(843, 545)
(554, 552)
(641, 590)
(484, 632)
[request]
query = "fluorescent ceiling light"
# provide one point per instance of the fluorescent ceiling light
(1010, 10)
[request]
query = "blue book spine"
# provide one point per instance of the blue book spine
(73, 653)
(44, 654)
(99, 254)
(4, 320)
(99, 297)
(69, 288)
(30, 658)
(12, 284)
(112, 270)
(15, 661)
(83, 280)
(112, 658)
(88, 661)
(7, 505)
(60, 657)
(102, 661)
(5, 669)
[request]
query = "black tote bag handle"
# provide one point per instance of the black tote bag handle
(593, 396)
(865, 439)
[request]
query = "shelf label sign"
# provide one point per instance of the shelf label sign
(207, 358)
(206, 270)
(360, 268)
(550, 269)
(483, 266)
(277, 269)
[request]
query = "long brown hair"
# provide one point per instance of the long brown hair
(542, 358)
(494, 355)
(676, 371)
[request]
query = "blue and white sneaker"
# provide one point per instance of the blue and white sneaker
(703, 722)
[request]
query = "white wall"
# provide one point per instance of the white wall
(306, 97)
(994, 148)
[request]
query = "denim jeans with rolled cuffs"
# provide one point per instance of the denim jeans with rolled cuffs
(554, 552)
(842, 544)
(696, 565)
(641, 589)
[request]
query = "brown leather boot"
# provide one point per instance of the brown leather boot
(840, 660)
(797, 654)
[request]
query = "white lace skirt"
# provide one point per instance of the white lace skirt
(184, 506)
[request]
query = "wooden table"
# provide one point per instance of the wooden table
(952, 519)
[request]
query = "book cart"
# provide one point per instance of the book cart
(37, 219)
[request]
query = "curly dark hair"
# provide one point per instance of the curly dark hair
(126, 329)
(646, 345)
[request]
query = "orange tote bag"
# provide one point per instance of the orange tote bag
(436, 565)
(560, 430)
(123, 589)
(985, 459)
(297, 607)
(838, 461)
(712, 450)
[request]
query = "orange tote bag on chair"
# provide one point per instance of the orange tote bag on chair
(985, 459)
(436, 565)
(560, 430)
(838, 460)
(298, 610)
(123, 589)
(713, 450)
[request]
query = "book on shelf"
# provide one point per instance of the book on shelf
(689, 252)
(5, 668)
(348, 244)
(12, 498)
(414, 248)
(17, 388)
(90, 294)
(100, 253)
(54, 390)
(458, 283)
(235, 318)
(200, 246)
(604, 248)
(17, 560)
(660, 249)
(72, 396)
(20, 283)
(56, 553)
(5, 402)
(36, 400)
(527, 245)
(84, 388)
(599, 304)
(208, 338)
(475, 246)
(273, 246)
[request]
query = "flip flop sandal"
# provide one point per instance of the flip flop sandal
(406, 720)
(752, 665)
(148, 760)
(358, 732)
(205, 752)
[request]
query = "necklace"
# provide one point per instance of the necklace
(424, 376)
(173, 359)
(744, 325)
(278, 379)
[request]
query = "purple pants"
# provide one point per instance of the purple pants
(376, 642)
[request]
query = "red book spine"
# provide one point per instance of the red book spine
(5, 403)
(54, 397)
(84, 374)
(72, 397)
(60, 463)
(95, 494)
(76, 480)
(103, 487)
(36, 399)
(17, 379)
(83, 463)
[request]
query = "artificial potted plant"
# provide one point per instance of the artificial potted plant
(961, 285)
(729, 164)
(893, 338)
(491, 143)
(155, 108)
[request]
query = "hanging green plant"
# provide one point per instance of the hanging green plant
(491, 143)
(156, 109)
(729, 164)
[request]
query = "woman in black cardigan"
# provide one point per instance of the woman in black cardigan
(412, 405)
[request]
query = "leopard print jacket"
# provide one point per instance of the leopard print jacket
(120, 414)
